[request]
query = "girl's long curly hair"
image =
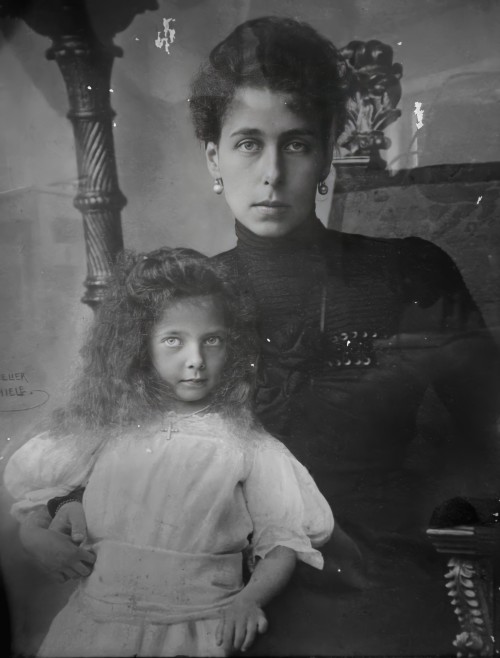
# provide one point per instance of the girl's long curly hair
(118, 385)
(278, 53)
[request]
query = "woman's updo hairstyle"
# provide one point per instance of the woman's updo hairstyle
(281, 54)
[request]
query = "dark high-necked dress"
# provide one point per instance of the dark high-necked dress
(377, 372)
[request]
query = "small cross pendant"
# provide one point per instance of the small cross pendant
(170, 430)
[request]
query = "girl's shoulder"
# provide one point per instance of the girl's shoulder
(51, 446)
(262, 445)
(244, 434)
(48, 458)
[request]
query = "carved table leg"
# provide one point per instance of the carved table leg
(86, 68)
(471, 591)
(82, 35)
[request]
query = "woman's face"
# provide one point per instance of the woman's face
(270, 160)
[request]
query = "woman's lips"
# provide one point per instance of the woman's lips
(271, 204)
(271, 207)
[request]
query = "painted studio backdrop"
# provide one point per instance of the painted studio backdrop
(420, 158)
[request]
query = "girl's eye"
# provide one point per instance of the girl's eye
(172, 341)
(213, 341)
(248, 146)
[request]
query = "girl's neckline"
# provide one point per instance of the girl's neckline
(309, 232)
(181, 416)
(171, 419)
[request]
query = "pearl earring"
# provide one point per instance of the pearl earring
(322, 188)
(218, 186)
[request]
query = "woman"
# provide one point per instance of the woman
(355, 332)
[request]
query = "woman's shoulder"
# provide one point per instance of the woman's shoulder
(226, 259)
(360, 244)
(423, 270)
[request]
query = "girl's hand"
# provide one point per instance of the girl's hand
(70, 520)
(56, 553)
(240, 623)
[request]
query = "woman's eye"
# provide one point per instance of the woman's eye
(172, 341)
(213, 341)
(248, 146)
(297, 147)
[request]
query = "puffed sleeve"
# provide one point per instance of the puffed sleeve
(45, 467)
(285, 504)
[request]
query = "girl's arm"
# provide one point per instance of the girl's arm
(344, 565)
(244, 618)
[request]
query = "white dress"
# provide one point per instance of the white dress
(169, 515)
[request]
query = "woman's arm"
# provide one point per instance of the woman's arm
(463, 362)
(55, 544)
(42, 466)
(244, 618)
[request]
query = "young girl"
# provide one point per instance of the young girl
(180, 480)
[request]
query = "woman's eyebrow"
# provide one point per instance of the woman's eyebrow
(304, 132)
(246, 131)
(251, 132)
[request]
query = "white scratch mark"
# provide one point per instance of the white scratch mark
(114, 124)
(89, 87)
(400, 43)
(111, 90)
(478, 200)
(168, 35)
(419, 113)
(137, 38)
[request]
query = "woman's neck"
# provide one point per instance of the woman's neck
(309, 232)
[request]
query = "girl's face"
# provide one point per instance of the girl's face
(270, 160)
(188, 349)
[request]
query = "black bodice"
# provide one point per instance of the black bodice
(355, 332)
